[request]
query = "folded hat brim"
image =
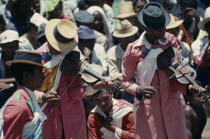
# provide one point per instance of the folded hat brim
(8, 41)
(61, 47)
(175, 24)
(9, 63)
(133, 32)
(201, 24)
(125, 15)
(167, 19)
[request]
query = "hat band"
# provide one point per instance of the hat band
(125, 30)
(60, 37)
(154, 22)
(29, 57)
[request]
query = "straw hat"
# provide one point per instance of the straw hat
(125, 10)
(26, 57)
(173, 23)
(61, 34)
(125, 29)
(201, 24)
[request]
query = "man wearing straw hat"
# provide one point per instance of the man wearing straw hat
(160, 114)
(66, 120)
(21, 116)
(125, 33)
(126, 11)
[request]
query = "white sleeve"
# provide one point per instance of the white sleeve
(102, 56)
(90, 91)
(38, 96)
(117, 133)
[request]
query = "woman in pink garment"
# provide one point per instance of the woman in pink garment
(160, 115)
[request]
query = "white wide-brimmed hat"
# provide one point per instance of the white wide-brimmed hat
(173, 23)
(125, 10)
(9, 36)
(201, 24)
(61, 34)
(125, 29)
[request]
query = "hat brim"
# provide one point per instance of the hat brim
(133, 32)
(167, 19)
(61, 47)
(175, 24)
(9, 63)
(125, 15)
(201, 24)
(8, 41)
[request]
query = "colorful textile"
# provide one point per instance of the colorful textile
(122, 117)
(69, 116)
(23, 111)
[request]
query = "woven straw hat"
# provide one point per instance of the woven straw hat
(61, 34)
(125, 10)
(173, 23)
(201, 24)
(125, 29)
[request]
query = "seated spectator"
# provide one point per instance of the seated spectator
(125, 33)
(2, 23)
(138, 4)
(174, 29)
(21, 12)
(201, 51)
(198, 45)
(107, 12)
(53, 9)
(93, 52)
(126, 11)
(101, 23)
(28, 41)
(9, 44)
(191, 18)
(82, 17)
(111, 118)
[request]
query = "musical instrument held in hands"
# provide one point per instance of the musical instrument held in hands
(90, 73)
(172, 59)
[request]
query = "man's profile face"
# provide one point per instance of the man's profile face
(103, 101)
(52, 50)
(37, 77)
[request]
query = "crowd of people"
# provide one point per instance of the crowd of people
(105, 69)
